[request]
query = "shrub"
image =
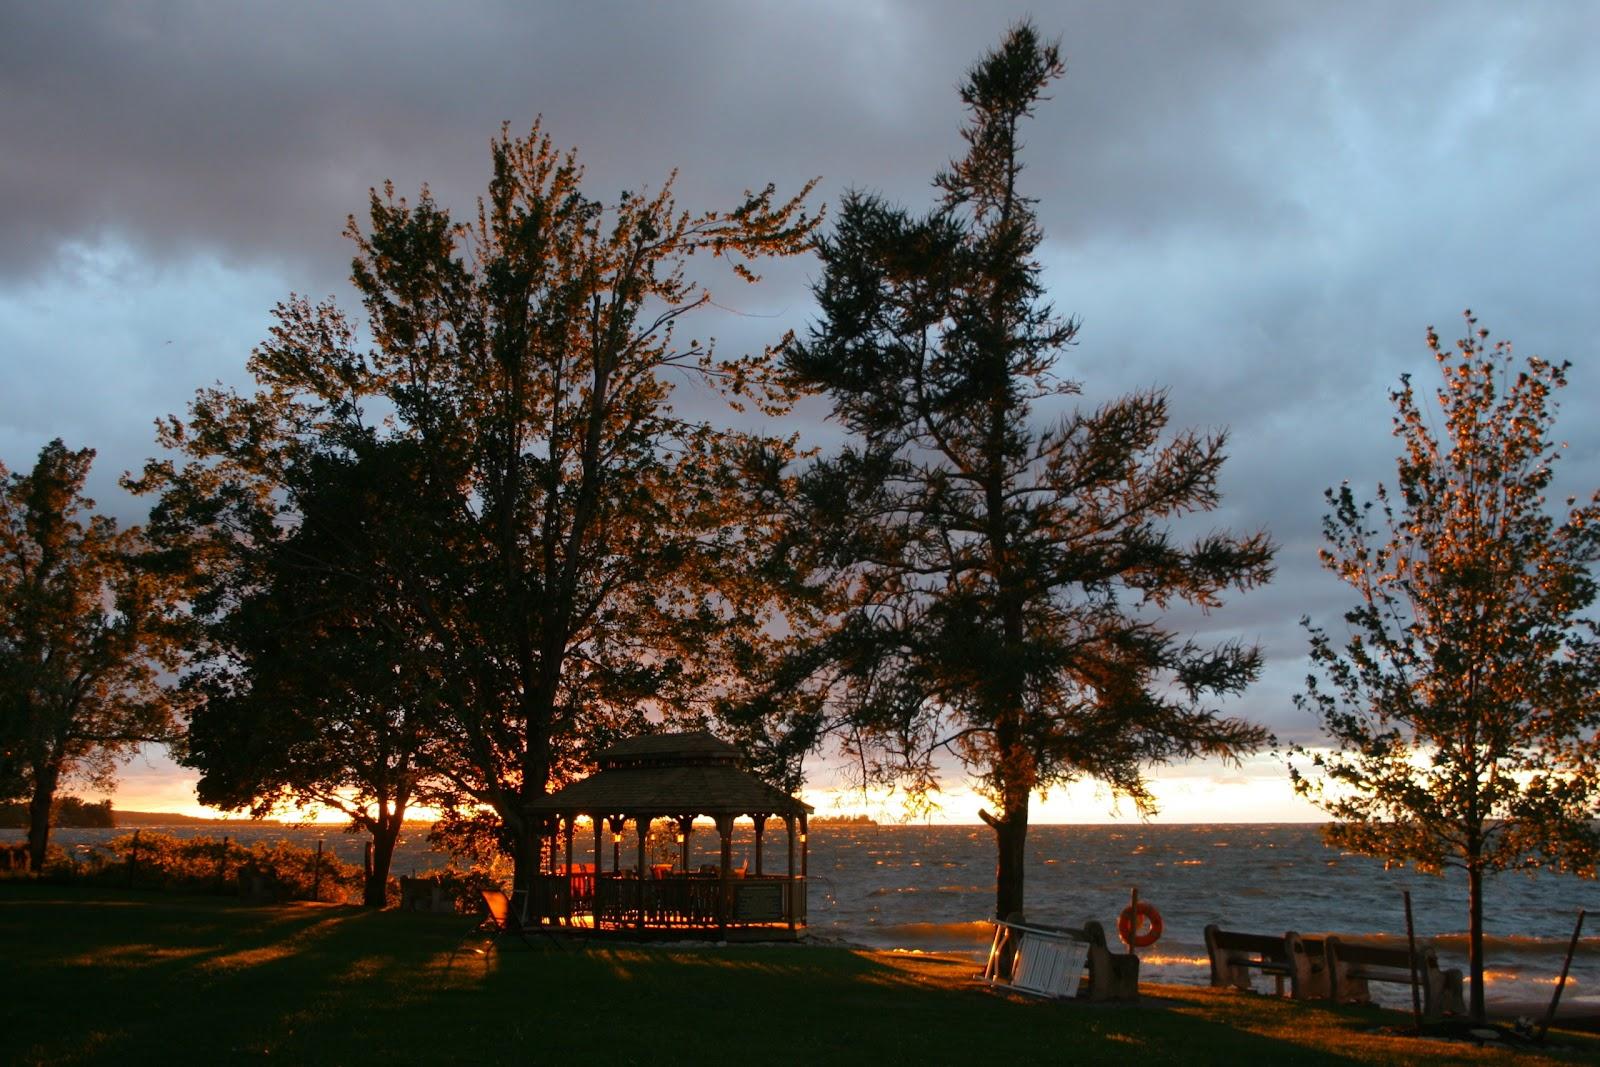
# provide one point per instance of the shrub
(279, 870)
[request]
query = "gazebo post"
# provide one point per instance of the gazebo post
(643, 822)
(760, 820)
(805, 849)
(725, 895)
(788, 833)
(685, 828)
(566, 890)
(599, 862)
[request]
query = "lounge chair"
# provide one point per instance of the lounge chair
(500, 919)
(1052, 961)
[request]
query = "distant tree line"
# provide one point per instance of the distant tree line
(64, 811)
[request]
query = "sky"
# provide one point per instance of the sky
(1259, 207)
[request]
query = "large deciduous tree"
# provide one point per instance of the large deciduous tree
(592, 552)
(1462, 704)
(87, 637)
(1002, 578)
(326, 689)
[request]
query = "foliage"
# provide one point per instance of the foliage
(86, 634)
(471, 837)
(1461, 705)
(329, 692)
(589, 551)
(999, 580)
(464, 884)
(153, 860)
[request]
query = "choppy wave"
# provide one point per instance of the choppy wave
(956, 936)
(1259, 878)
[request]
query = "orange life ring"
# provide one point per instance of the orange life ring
(1128, 920)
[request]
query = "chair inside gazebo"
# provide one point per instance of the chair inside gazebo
(671, 778)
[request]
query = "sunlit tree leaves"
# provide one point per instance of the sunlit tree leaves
(590, 567)
(88, 637)
(1464, 697)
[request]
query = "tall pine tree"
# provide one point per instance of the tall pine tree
(1000, 578)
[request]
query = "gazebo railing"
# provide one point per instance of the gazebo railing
(689, 901)
(559, 897)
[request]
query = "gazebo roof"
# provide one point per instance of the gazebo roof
(671, 774)
(677, 748)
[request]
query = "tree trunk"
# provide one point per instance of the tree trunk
(44, 795)
(1475, 939)
(1011, 839)
(524, 855)
(375, 893)
(527, 831)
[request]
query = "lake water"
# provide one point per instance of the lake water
(931, 889)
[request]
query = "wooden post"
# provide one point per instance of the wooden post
(685, 829)
(761, 829)
(316, 871)
(599, 865)
(794, 887)
(725, 886)
(1411, 959)
(1561, 983)
(566, 889)
(1133, 923)
(805, 850)
(643, 822)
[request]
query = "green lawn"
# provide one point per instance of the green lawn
(93, 976)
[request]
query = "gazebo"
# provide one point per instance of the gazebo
(675, 777)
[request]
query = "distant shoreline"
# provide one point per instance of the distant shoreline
(135, 820)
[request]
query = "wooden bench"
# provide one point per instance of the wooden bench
(1300, 960)
(425, 894)
(1036, 958)
(1353, 964)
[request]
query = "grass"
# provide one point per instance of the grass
(100, 976)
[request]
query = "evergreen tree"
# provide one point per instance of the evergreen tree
(1462, 704)
(998, 580)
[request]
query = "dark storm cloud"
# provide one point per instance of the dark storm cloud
(253, 130)
(1257, 206)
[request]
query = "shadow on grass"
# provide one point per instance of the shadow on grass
(136, 978)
